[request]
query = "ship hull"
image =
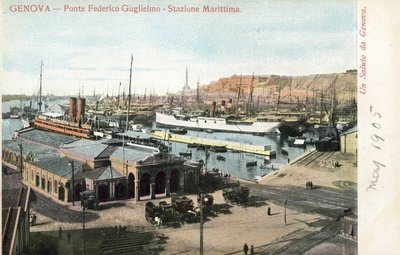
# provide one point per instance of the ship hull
(217, 124)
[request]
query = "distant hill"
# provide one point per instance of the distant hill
(267, 87)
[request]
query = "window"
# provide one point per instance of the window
(55, 187)
(43, 183)
(37, 181)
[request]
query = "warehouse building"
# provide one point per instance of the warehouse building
(61, 167)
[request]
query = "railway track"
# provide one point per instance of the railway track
(322, 201)
(314, 156)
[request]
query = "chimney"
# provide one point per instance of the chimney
(72, 109)
(214, 104)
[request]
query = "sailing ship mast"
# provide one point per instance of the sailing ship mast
(129, 96)
(40, 88)
(127, 122)
(238, 98)
(250, 100)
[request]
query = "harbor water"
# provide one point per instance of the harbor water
(235, 163)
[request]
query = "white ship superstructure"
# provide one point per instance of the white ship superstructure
(218, 124)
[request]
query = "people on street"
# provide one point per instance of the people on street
(245, 248)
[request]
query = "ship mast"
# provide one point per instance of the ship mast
(238, 98)
(279, 95)
(250, 100)
(198, 91)
(129, 96)
(40, 88)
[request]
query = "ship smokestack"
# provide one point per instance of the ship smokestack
(80, 115)
(214, 104)
(229, 104)
(223, 106)
(72, 109)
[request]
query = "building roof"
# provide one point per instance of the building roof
(132, 153)
(60, 166)
(112, 141)
(87, 149)
(46, 138)
(99, 174)
(34, 151)
(349, 131)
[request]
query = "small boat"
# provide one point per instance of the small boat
(209, 131)
(251, 163)
(220, 158)
(201, 147)
(284, 151)
(178, 130)
(192, 145)
(219, 149)
(186, 154)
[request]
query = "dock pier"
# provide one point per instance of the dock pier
(249, 148)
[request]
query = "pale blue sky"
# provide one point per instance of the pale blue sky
(93, 50)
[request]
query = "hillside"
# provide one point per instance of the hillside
(267, 87)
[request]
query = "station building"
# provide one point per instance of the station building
(61, 166)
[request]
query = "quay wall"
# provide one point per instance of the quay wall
(255, 149)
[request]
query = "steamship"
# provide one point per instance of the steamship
(217, 124)
(75, 125)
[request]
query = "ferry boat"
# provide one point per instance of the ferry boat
(217, 124)
(54, 122)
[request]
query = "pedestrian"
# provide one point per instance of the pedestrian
(120, 229)
(269, 211)
(288, 160)
(60, 233)
(115, 229)
(69, 237)
(245, 248)
(252, 250)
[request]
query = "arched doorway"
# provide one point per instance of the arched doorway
(103, 191)
(78, 189)
(145, 185)
(119, 190)
(160, 182)
(174, 181)
(131, 185)
(61, 193)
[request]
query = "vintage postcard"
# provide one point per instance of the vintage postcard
(200, 127)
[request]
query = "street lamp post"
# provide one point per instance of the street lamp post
(71, 163)
(21, 159)
(201, 223)
(83, 223)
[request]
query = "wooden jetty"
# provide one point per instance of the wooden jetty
(254, 149)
